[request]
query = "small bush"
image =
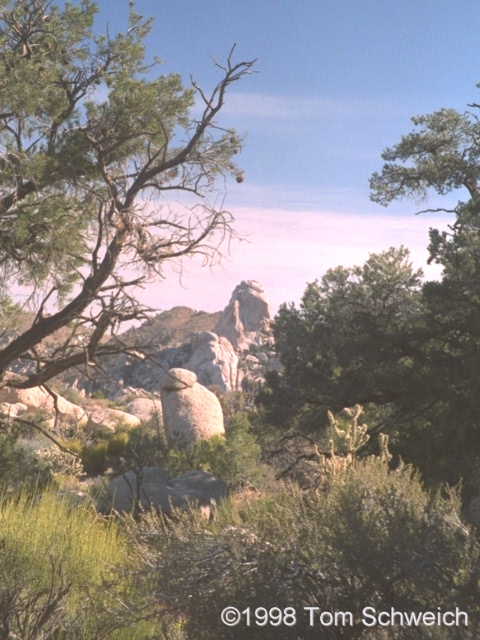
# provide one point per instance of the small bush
(61, 463)
(233, 458)
(118, 443)
(75, 446)
(94, 457)
(124, 449)
(19, 464)
(72, 395)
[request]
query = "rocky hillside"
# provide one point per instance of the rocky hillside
(228, 349)
(165, 338)
(172, 328)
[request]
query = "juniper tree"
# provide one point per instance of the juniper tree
(349, 341)
(94, 143)
(442, 155)
(378, 335)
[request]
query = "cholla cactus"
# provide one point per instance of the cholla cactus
(385, 455)
(341, 454)
(353, 438)
(331, 464)
(61, 463)
(300, 458)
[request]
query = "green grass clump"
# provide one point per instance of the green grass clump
(62, 570)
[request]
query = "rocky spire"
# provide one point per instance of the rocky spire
(245, 316)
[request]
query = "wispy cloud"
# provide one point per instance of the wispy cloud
(256, 105)
(293, 197)
(286, 248)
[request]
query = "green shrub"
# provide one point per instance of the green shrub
(146, 445)
(61, 463)
(75, 446)
(124, 449)
(19, 465)
(233, 458)
(376, 538)
(94, 457)
(118, 443)
(72, 395)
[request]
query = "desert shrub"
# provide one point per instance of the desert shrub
(118, 442)
(146, 446)
(232, 402)
(61, 463)
(95, 457)
(72, 395)
(314, 463)
(375, 538)
(19, 465)
(234, 457)
(74, 445)
(125, 449)
(62, 571)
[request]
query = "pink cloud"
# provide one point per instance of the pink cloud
(285, 249)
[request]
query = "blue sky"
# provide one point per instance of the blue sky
(337, 82)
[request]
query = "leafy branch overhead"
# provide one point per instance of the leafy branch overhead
(94, 144)
(441, 154)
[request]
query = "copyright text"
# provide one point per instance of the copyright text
(315, 616)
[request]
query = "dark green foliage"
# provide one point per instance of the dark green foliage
(146, 445)
(234, 458)
(125, 449)
(351, 340)
(95, 457)
(408, 351)
(442, 154)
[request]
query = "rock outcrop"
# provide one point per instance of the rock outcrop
(102, 418)
(245, 317)
(37, 398)
(214, 361)
(146, 409)
(157, 491)
(13, 410)
(228, 349)
(190, 411)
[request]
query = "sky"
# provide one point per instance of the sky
(337, 82)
